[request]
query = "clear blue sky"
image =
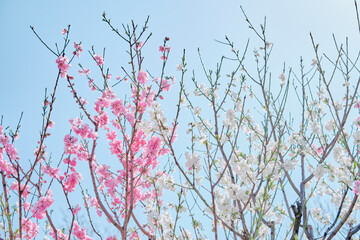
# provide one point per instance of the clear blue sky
(27, 67)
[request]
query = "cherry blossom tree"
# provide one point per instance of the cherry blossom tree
(257, 166)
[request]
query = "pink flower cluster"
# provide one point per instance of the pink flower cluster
(11, 151)
(119, 109)
(84, 71)
(165, 50)
(81, 129)
(94, 203)
(30, 229)
(41, 205)
(99, 59)
(26, 191)
(52, 172)
(63, 65)
(72, 181)
(144, 100)
(80, 233)
(60, 235)
(78, 49)
(142, 77)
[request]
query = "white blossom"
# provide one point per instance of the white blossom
(282, 79)
(193, 162)
(179, 67)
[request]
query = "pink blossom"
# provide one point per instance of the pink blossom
(86, 71)
(71, 181)
(116, 147)
(30, 229)
(83, 154)
(94, 203)
(117, 107)
(52, 172)
(356, 187)
(70, 144)
(60, 234)
(62, 62)
(99, 59)
(142, 77)
(139, 141)
(161, 48)
(76, 209)
(357, 122)
(134, 235)
(163, 57)
(83, 130)
(26, 191)
(152, 149)
(50, 124)
(112, 238)
(78, 49)
(111, 135)
(7, 168)
(138, 45)
(357, 105)
(165, 85)
(318, 150)
(92, 85)
(101, 103)
(102, 119)
(41, 205)
(80, 233)
(108, 94)
(64, 31)
(11, 151)
(26, 206)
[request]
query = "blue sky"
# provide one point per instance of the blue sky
(27, 67)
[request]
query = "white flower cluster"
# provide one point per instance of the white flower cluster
(230, 121)
(167, 182)
(157, 219)
(156, 115)
(319, 216)
(282, 78)
(193, 162)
